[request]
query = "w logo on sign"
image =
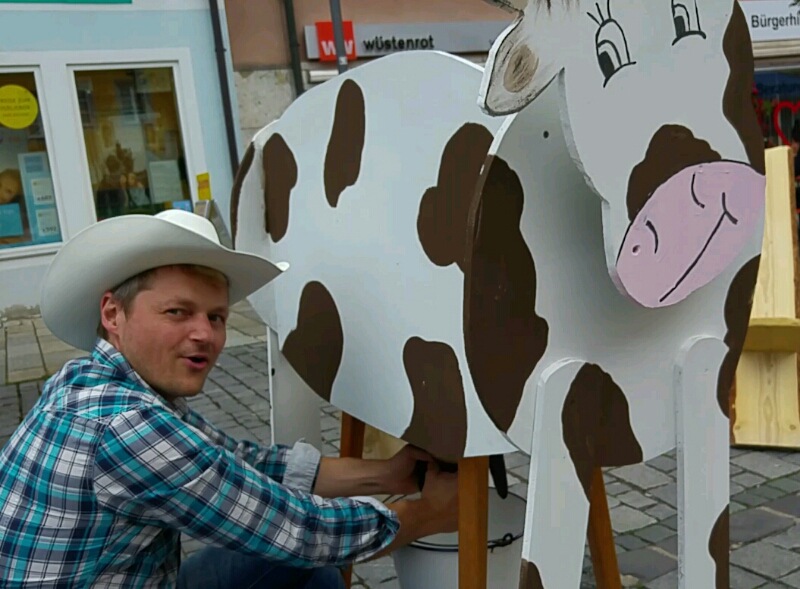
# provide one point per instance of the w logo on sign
(326, 41)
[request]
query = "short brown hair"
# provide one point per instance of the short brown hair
(126, 292)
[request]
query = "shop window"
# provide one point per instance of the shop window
(131, 130)
(28, 204)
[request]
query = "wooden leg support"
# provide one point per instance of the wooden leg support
(351, 445)
(473, 514)
(601, 536)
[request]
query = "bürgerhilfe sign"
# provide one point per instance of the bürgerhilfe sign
(772, 20)
(373, 40)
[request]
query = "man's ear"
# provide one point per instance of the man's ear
(518, 68)
(111, 312)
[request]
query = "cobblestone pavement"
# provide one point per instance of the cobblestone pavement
(765, 486)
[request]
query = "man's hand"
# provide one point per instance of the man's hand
(401, 475)
(440, 495)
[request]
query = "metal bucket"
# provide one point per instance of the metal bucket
(432, 562)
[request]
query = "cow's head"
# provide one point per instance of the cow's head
(656, 111)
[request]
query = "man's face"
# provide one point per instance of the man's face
(174, 330)
(9, 188)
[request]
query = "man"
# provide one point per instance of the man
(110, 466)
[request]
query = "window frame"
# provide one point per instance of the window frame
(54, 73)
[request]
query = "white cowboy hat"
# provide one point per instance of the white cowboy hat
(107, 253)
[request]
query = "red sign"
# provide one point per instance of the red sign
(327, 43)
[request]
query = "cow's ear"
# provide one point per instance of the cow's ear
(517, 71)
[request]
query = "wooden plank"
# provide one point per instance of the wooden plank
(473, 522)
(351, 445)
(601, 536)
(766, 407)
(766, 401)
(773, 335)
(775, 288)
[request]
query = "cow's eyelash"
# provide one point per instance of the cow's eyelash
(611, 46)
(682, 20)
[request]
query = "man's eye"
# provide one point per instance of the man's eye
(218, 318)
(175, 311)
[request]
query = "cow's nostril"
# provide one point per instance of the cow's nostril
(635, 250)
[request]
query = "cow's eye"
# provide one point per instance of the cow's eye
(686, 18)
(610, 44)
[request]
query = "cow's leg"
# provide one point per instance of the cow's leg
(294, 407)
(703, 468)
(558, 508)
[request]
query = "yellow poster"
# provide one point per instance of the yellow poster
(203, 187)
(18, 107)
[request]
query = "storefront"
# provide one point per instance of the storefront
(106, 108)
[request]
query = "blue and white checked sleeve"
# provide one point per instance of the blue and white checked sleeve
(153, 468)
(296, 467)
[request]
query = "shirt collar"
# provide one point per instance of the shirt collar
(106, 354)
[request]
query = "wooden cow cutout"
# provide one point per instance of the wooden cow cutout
(634, 172)
(465, 303)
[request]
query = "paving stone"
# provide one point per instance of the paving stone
(671, 522)
(669, 545)
(29, 394)
(789, 505)
(636, 499)
(667, 493)
(376, 572)
(655, 533)
(788, 485)
(617, 488)
(735, 507)
(766, 559)
(742, 579)
(751, 499)
(755, 524)
(668, 581)
(646, 564)
(630, 542)
(642, 476)
(748, 479)
(792, 580)
(790, 539)
(624, 519)
(766, 465)
(663, 463)
(660, 511)
(768, 491)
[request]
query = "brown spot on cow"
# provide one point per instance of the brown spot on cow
(596, 424)
(719, 549)
(443, 211)
(280, 177)
(314, 348)
(346, 144)
(737, 103)
(504, 336)
(672, 149)
(738, 304)
(530, 577)
(439, 421)
(236, 191)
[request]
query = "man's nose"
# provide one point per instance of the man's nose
(202, 328)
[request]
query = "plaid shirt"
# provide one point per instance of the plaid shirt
(103, 475)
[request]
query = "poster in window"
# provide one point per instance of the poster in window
(40, 198)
